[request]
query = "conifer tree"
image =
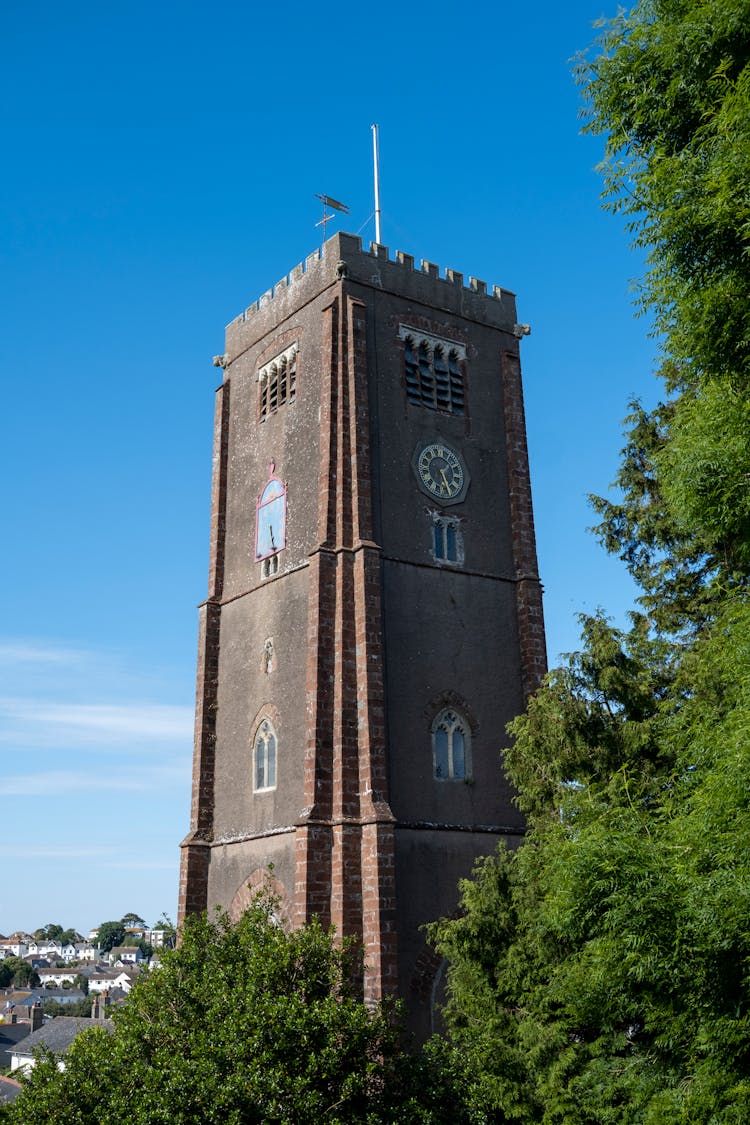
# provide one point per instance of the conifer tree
(601, 974)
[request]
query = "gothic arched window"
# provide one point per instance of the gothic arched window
(264, 757)
(451, 747)
(270, 526)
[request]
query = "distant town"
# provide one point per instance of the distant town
(62, 977)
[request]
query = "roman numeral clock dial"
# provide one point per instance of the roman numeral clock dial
(440, 472)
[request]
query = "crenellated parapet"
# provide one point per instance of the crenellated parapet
(343, 257)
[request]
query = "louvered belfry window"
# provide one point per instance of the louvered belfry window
(433, 371)
(277, 382)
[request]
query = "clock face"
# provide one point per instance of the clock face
(270, 525)
(440, 471)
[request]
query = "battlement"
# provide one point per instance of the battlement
(342, 256)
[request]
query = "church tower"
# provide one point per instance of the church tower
(374, 613)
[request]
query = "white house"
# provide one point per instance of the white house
(125, 955)
(159, 938)
(86, 952)
(13, 948)
(104, 980)
(56, 976)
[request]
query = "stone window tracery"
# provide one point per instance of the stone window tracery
(432, 371)
(451, 746)
(264, 757)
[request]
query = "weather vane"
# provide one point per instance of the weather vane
(328, 202)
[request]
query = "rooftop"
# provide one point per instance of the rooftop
(58, 1034)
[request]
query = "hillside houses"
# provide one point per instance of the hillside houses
(52, 951)
(126, 955)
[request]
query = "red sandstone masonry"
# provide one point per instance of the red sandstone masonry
(195, 856)
(219, 492)
(329, 395)
(312, 892)
(346, 879)
(528, 587)
(345, 869)
(379, 911)
(312, 889)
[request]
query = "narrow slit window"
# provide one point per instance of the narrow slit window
(264, 753)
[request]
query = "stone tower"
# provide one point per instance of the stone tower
(374, 613)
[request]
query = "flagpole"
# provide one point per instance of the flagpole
(376, 163)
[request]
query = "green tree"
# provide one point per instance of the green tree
(81, 982)
(244, 1023)
(133, 920)
(55, 932)
(110, 934)
(669, 87)
(26, 977)
(76, 1008)
(600, 974)
(17, 971)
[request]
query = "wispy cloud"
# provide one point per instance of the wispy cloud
(95, 764)
(29, 653)
(37, 722)
(54, 851)
(103, 857)
(53, 783)
(172, 864)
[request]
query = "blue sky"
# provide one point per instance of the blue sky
(161, 162)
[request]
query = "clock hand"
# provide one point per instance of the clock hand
(445, 479)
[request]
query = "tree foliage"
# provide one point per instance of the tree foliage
(80, 1007)
(243, 1024)
(133, 920)
(602, 973)
(669, 87)
(53, 931)
(110, 934)
(17, 971)
(81, 981)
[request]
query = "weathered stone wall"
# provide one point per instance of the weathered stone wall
(371, 636)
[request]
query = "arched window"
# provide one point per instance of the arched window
(451, 747)
(264, 757)
(270, 525)
(264, 748)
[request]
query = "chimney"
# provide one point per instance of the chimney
(99, 1005)
(37, 1016)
